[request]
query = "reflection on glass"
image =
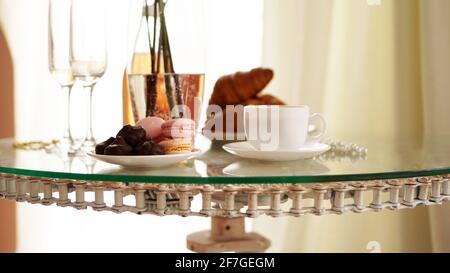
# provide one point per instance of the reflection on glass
(245, 168)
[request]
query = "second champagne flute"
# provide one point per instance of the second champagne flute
(88, 53)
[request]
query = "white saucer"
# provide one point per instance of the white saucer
(154, 161)
(245, 150)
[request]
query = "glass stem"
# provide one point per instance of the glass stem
(89, 141)
(67, 136)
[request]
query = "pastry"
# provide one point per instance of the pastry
(148, 148)
(100, 148)
(133, 135)
(239, 87)
(177, 146)
(179, 129)
(244, 89)
(237, 124)
(152, 126)
(264, 100)
(119, 147)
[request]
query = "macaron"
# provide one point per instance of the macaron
(177, 146)
(152, 126)
(179, 128)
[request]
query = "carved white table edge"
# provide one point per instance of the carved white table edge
(231, 201)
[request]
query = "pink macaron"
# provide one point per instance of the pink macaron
(179, 128)
(152, 126)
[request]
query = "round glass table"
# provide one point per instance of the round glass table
(387, 158)
(395, 173)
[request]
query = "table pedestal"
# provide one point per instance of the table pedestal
(227, 235)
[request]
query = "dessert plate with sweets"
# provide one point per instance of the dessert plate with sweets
(152, 143)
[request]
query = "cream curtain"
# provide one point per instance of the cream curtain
(435, 44)
(372, 67)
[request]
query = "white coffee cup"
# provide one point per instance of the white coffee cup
(281, 128)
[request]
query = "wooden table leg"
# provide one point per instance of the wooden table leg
(227, 235)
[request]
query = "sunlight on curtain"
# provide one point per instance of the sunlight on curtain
(436, 83)
(361, 65)
(232, 42)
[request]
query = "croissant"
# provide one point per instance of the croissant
(223, 117)
(239, 87)
(264, 100)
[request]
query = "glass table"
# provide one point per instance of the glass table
(396, 173)
(387, 158)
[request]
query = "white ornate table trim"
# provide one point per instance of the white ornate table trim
(231, 201)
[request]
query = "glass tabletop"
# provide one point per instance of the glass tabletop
(387, 158)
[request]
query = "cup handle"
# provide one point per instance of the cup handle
(316, 136)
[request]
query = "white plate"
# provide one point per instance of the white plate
(245, 150)
(153, 161)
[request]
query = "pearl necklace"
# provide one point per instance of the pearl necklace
(342, 150)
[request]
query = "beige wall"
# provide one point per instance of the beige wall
(7, 208)
(6, 90)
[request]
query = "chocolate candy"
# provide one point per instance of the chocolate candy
(100, 148)
(131, 140)
(119, 147)
(133, 135)
(148, 148)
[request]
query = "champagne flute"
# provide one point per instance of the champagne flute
(58, 59)
(88, 54)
